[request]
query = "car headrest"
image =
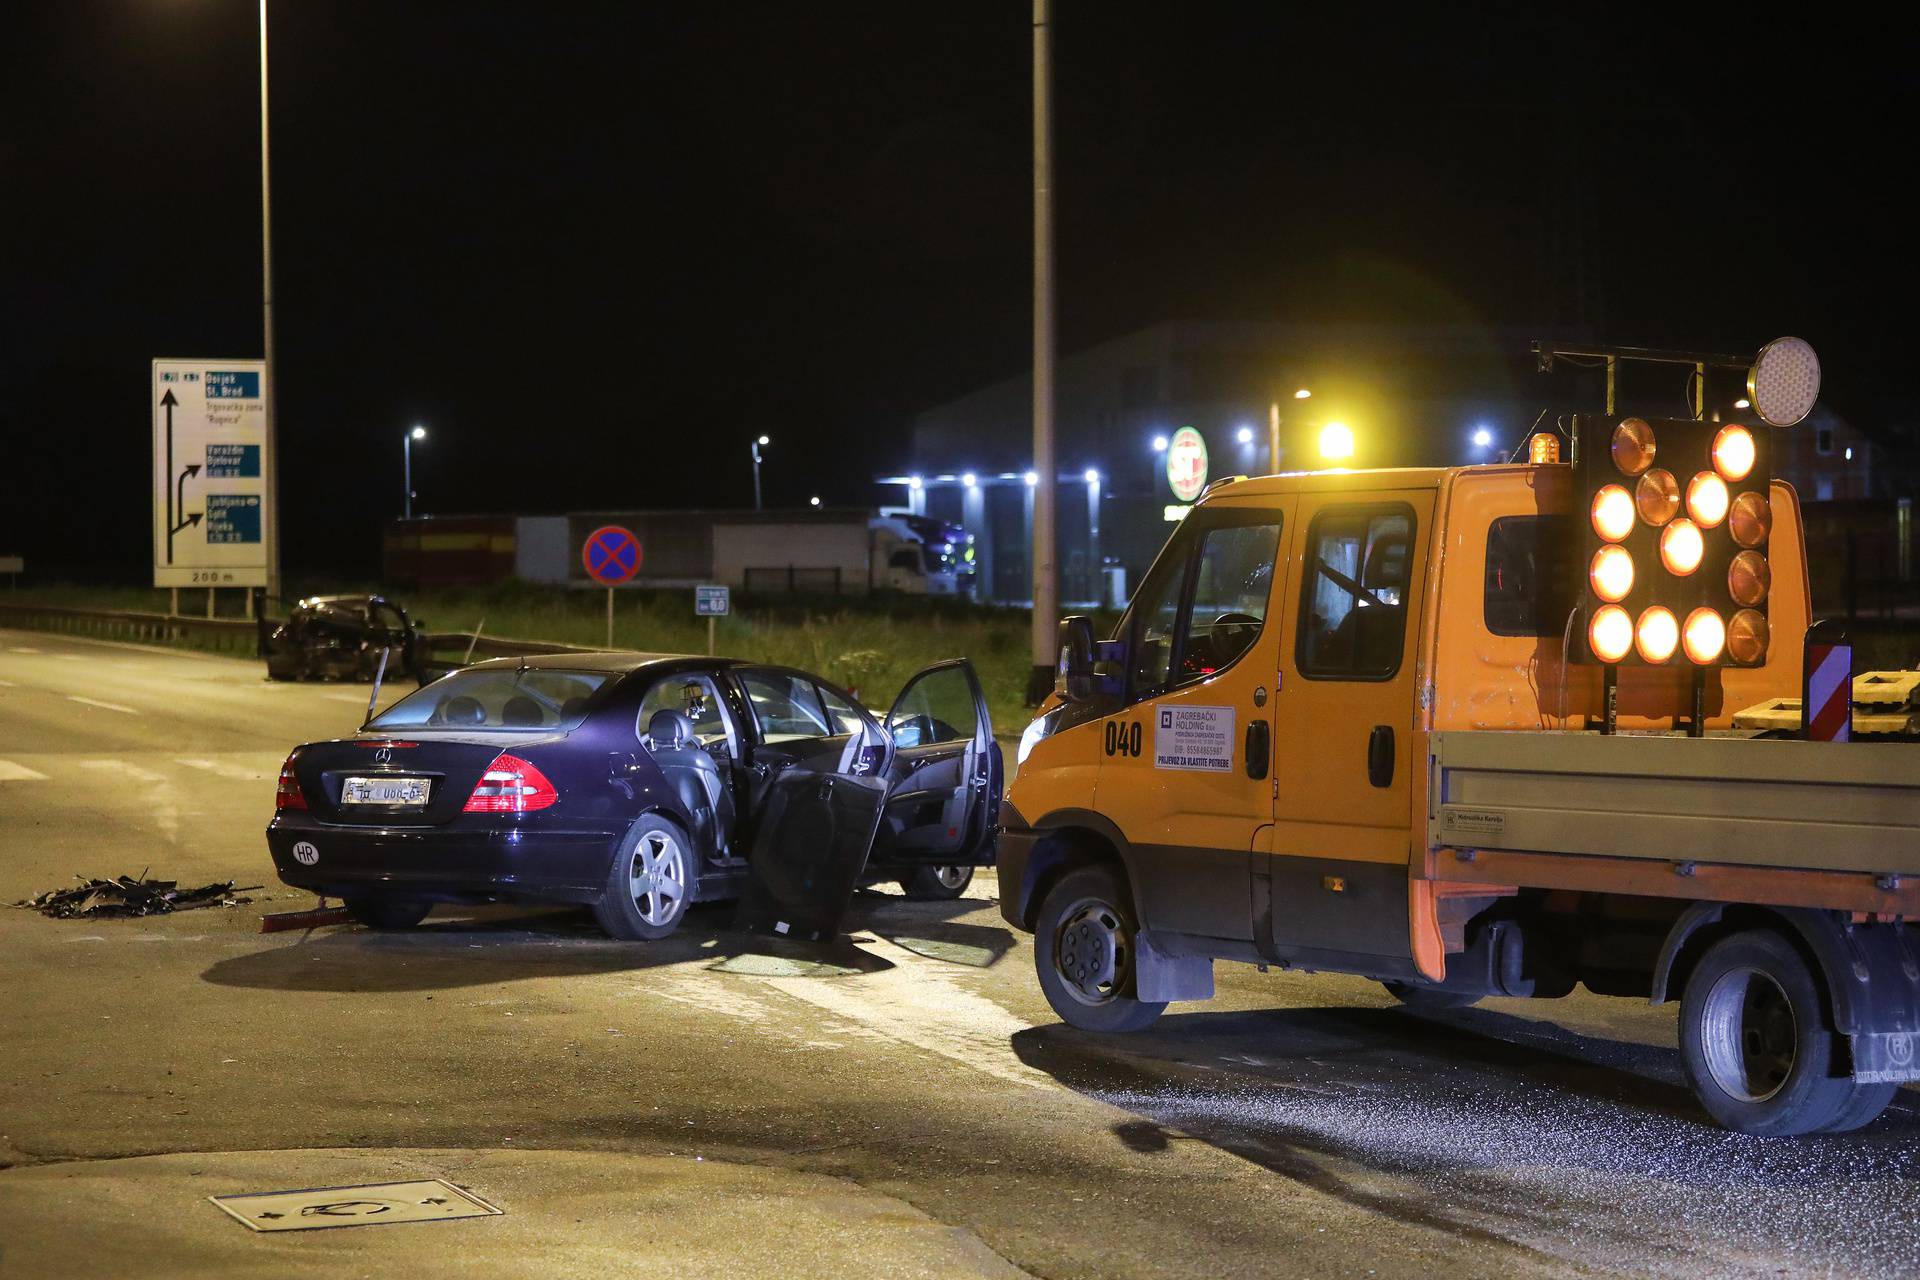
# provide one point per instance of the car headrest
(669, 730)
(462, 709)
(520, 711)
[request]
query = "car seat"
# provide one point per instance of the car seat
(521, 712)
(694, 777)
(461, 709)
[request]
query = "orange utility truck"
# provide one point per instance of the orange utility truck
(1468, 731)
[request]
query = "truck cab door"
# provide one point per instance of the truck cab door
(947, 773)
(1185, 770)
(1336, 880)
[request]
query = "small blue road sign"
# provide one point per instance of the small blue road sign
(233, 517)
(611, 555)
(225, 459)
(712, 601)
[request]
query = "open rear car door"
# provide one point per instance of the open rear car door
(946, 774)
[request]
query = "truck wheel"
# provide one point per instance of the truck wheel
(936, 884)
(1083, 950)
(1429, 999)
(1755, 1043)
(1863, 1106)
(649, 884)
(388, 913)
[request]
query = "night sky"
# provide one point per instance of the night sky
(596, 249)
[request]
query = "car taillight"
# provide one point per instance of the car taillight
(288, 794)
(511, 785)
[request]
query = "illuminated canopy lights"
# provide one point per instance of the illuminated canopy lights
(1749, 578)
(1657, 496)
(1747, 637)
(1658, 634)
(1610, 633)
(1681, 547)
(1705, 636)
(1707, 500)
(1612, 573)
(1784, 382)
(1750, 520)
(1734, 453)
(1633, 446)
(1612, 513)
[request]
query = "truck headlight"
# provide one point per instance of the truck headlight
(1041, 727)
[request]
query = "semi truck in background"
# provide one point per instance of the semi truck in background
(1471, 731)
(922, 555)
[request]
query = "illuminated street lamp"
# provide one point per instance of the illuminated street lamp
(1273, 429)
(1303, 394)
(406, 455)
(1159, 444)
(1336, 442)
(756, 447)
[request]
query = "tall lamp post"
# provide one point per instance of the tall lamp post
(756, 447)
(272, 391)
(406, 453)
(1273, 429)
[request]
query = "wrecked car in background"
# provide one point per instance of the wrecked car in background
(343, 638)
(637, 785)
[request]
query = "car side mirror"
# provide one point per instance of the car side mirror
(1073, 677)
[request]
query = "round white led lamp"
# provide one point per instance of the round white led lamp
(1784, 381)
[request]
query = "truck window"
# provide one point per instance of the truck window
(1206, 605)
(1528, 591)
(1353, 611)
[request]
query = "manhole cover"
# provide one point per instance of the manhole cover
(363, 1206)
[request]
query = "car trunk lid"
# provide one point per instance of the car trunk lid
(450, 764)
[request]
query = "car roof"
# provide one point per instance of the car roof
(615, 660)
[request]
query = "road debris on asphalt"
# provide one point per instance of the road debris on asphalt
(125, 896)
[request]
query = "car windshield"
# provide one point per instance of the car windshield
(497, 698)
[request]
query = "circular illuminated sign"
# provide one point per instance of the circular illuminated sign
(1187, 464)
(1784, 382)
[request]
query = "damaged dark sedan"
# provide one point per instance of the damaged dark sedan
(343, 638)
(638, 785)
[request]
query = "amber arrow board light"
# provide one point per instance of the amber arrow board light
(316, 1208)
(209, 473)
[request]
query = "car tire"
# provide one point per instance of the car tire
(650, 883)
(388, 913)
(936, 884)
(1430, 999)
(1756, 1045)
(1083, 952)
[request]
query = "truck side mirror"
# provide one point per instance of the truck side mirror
(1073, 678)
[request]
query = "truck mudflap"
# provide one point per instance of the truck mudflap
(1871, 970)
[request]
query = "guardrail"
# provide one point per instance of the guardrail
(232, 635)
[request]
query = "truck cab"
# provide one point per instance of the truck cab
(1250, 769)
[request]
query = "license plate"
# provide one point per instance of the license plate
(400, 793)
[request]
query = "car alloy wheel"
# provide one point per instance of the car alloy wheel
(953, 878)
(658, 877)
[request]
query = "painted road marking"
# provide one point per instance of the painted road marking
(8, 684)
(121, 766)
(11, 772)
(354, 698)
(20, 648)
(222, 768)
(105, 706)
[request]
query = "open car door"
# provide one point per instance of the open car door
(946, 774)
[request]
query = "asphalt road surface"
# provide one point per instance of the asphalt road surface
(900, 1103)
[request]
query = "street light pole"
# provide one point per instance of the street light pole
(1046, 586)
(406, 453)
(756, 469)
(271, 394)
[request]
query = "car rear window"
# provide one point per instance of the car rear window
(531, 698)
(1528, 589)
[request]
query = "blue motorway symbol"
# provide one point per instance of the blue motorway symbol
(224, 459)
(233, 517)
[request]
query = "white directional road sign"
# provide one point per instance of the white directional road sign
(210, 469)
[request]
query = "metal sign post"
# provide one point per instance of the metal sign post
(611, 556)
(712, 601)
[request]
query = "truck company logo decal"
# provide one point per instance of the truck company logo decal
(1473, 822)
(1194, 738)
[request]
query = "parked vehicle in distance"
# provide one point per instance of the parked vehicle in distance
(922, 555)
(637, 785)
(343, 638)
(1343, 727)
